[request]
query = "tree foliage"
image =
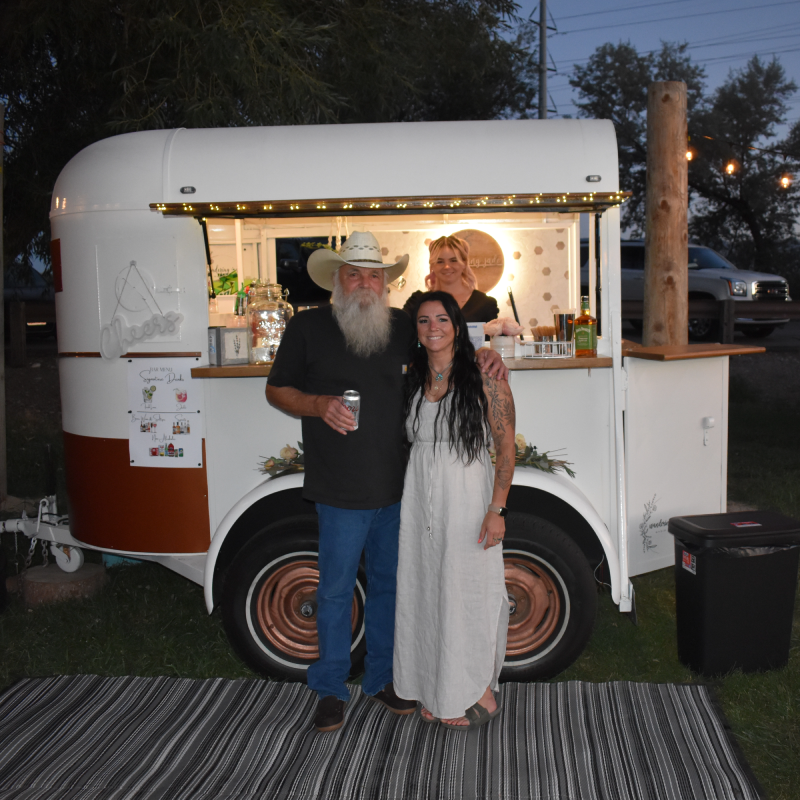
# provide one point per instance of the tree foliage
(613, 85)
(75, 71)
(746, 215)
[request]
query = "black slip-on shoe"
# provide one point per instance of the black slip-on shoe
(330, 714)
(395, 704)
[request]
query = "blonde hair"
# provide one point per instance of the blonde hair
(461, 249)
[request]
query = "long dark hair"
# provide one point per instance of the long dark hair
(467, 412)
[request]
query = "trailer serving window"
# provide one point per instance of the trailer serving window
(528, 246)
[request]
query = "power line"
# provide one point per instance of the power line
(777, 29)
(683, 16)
(624, 8)
(743, 40)
(712, 42)
(721, 59)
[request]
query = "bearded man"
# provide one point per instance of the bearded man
(353, 475)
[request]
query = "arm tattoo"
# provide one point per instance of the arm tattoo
(504, 472)
(501, 409)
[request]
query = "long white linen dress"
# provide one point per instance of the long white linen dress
(452, 607)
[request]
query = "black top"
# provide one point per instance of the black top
(365, 468)
(479, 308)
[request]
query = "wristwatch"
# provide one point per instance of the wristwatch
(501, 510)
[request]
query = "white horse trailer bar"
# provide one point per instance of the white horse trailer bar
(130, 266)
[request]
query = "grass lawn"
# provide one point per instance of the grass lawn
(149, 621)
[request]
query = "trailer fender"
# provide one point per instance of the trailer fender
(565, 489)
(270, 486)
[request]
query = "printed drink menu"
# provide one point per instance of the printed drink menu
(165, 414)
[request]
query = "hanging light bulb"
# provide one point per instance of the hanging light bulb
(730, 167)
(786, 181)
(689, 155)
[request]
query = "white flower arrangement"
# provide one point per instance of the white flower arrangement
(289, 460)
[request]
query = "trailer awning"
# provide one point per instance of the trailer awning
(565, 203)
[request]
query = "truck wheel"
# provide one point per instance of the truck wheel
(703, 330)
(269, 607)
(553, 598)
(758, 331)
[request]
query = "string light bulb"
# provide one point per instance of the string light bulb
(689, 155)
(786, 181)
(730, 168)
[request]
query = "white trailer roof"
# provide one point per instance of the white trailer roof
(496, 158)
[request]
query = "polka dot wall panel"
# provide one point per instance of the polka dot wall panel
(536, 268)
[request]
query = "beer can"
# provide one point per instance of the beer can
(352, 401)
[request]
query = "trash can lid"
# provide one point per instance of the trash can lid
(738, 529)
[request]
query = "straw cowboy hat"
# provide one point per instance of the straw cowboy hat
(360, 250)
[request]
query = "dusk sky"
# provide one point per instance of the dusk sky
(721, 35)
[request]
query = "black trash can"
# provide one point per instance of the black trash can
(735, 583)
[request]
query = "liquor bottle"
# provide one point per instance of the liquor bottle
(585, 332)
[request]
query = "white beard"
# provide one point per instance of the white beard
(363, 317)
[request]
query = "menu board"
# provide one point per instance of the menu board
(164, 410)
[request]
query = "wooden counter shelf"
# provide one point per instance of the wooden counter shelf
(256, 371)
(669, 352)
(682, 352)
(514, 364)
(233, 371)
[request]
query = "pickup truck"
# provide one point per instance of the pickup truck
(711, 276)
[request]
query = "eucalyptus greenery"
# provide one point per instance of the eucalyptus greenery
(544, 461)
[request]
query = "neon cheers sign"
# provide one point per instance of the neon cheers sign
(117, 336)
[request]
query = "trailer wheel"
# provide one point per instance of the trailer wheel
(553, 598)
(269, 608)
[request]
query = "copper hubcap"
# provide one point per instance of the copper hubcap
(286, 608)
(536, 605)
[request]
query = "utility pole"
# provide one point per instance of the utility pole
(542, 59)
(3, 458)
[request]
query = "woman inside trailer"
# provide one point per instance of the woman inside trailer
(450, 272)
(451, 617)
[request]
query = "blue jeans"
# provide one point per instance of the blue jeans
(343, 535)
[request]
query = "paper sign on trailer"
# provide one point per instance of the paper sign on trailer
(164, 411)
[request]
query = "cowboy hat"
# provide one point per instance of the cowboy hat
(360, 250)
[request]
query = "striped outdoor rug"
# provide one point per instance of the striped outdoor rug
(87, 738)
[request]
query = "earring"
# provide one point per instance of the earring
(419, 343)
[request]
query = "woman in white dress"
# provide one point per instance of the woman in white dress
(452, 606)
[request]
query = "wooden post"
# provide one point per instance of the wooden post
(17, 357)
(727, 318)
(666, 266)
(3, 445)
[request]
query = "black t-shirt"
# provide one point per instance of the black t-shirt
(365, 468)
(478, 308)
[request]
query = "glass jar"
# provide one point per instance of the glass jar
(267, 315)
